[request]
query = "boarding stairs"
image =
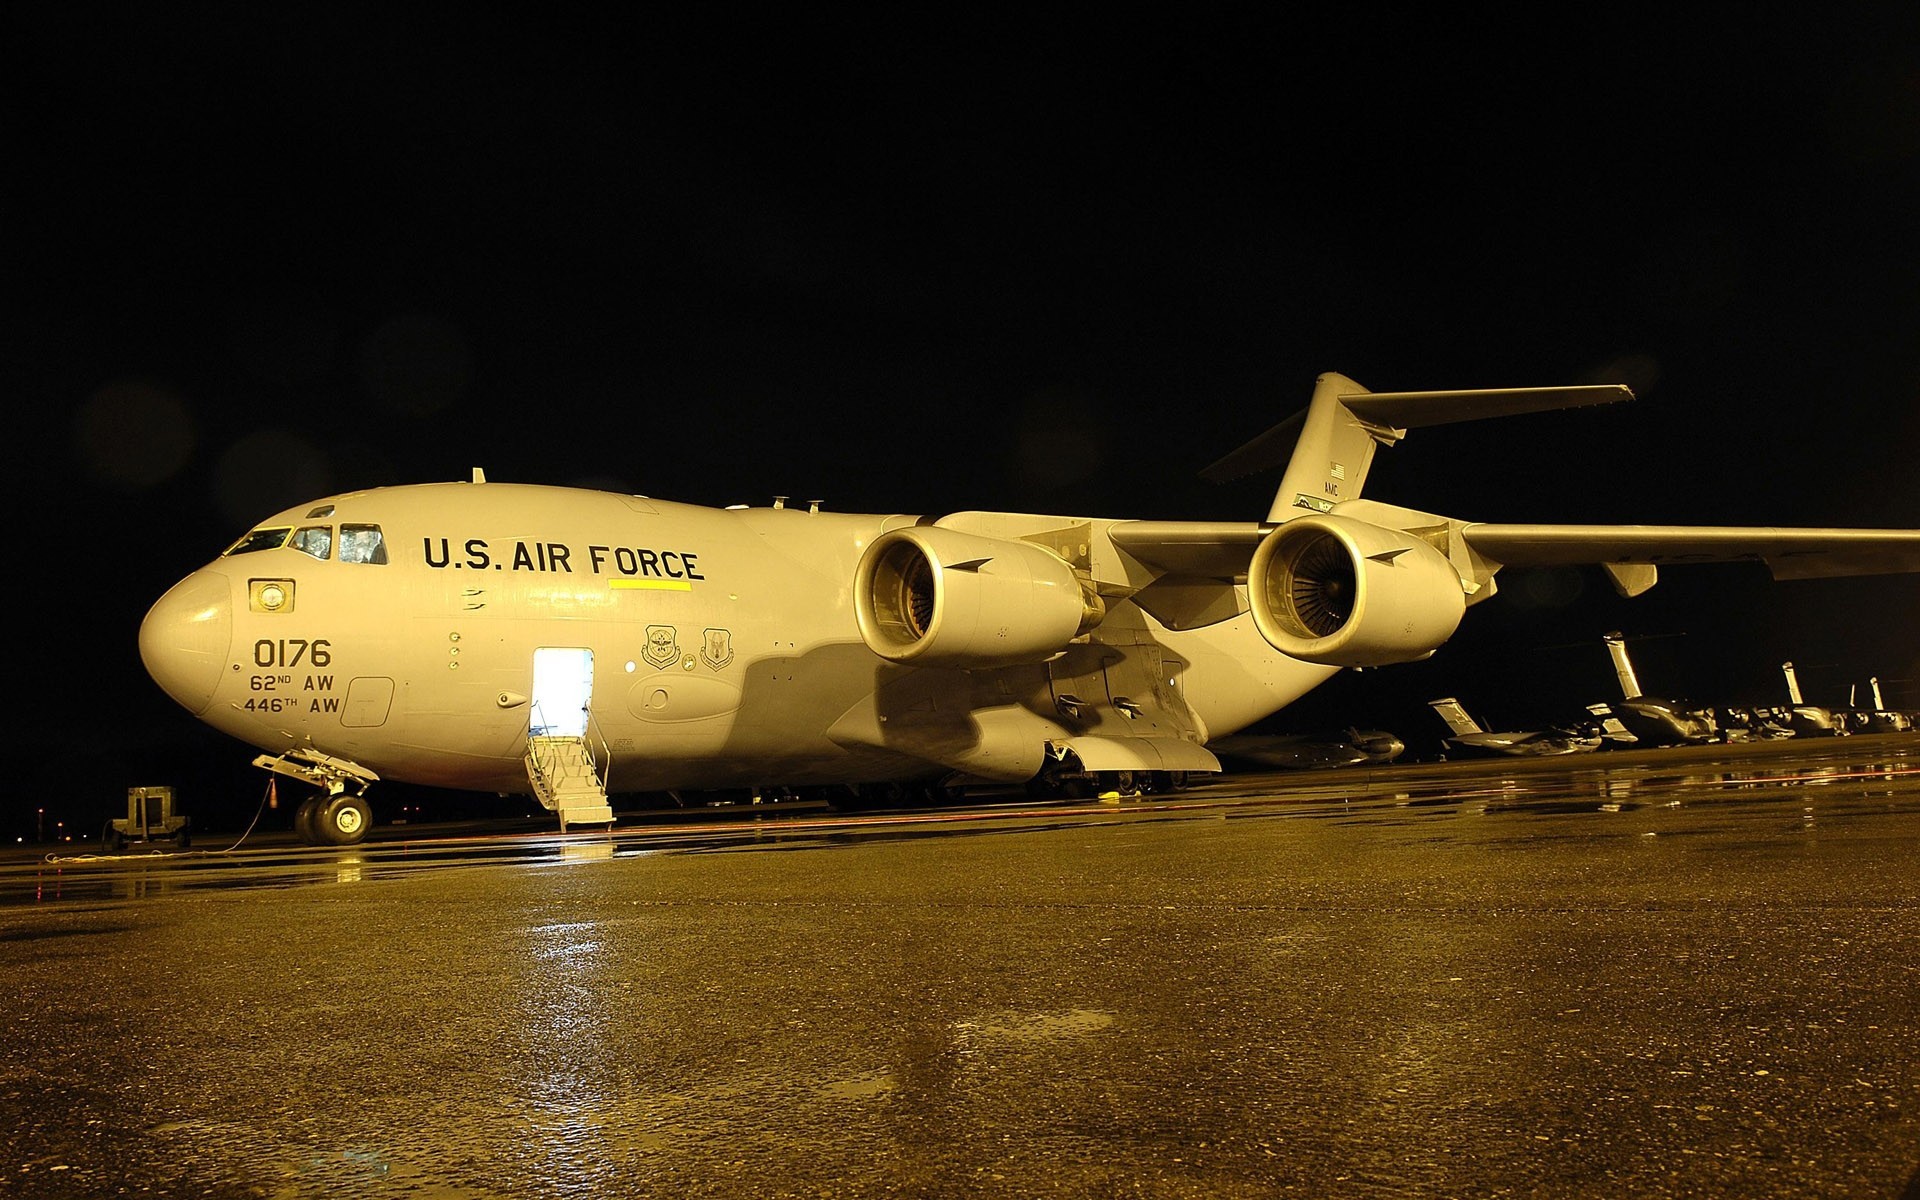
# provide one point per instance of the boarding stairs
(565, 780)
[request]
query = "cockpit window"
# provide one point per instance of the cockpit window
(362, 544)
(260, 539)
(316, 540)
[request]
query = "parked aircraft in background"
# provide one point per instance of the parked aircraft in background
(1469, 738)
(1804, 719)
(1738, 723)
(1654, 721)
(567, 643)
(1612, 732)
(1879, 718)
(1305, 751)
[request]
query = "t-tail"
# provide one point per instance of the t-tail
(1793, 683)
(1623, 666)
(1333, 439)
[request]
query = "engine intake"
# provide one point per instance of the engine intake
(940, 597)
(1345, 593)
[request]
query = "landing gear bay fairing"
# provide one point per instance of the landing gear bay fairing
(566, 643)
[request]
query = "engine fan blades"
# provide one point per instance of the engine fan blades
(1323, 588)
(917, 592)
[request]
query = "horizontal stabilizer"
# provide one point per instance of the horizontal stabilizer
(1456, 717)
(1788, 553)
(1413, 410)
(1393, 412)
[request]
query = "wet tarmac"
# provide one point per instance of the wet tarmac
(1639, 975)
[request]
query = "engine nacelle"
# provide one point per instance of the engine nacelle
(939, 597)
(1345, 593)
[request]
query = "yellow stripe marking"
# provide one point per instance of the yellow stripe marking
(652, 585)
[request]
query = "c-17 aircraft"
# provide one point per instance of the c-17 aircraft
(1804, 719)
(566, 643)
(1468, 737)
(1651, 720)
(1350, 747)
(1879, 718)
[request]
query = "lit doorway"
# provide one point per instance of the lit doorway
(562, 691)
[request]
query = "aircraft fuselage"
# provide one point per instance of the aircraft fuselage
(699, 647)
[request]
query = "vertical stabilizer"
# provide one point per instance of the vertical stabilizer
(1335, 450)
(1623, 667)
(1793, 684)
(1879, 705)
(1456, 717)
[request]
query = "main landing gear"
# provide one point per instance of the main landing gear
(1067, 778)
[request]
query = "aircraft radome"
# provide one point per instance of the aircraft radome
(567, 643)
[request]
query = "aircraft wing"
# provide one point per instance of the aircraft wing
(1205, 549)
(1220, 550)
(1788, 553)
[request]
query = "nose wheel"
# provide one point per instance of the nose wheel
(336, 819)
(340, 814)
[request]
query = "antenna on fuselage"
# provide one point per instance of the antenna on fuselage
(479, 476)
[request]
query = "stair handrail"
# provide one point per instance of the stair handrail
(542, 758)
(536, 765)
(595, 732)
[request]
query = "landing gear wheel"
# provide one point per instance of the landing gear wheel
(305, 827)
(344, 820)
(1077, 787)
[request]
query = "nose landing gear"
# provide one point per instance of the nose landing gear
(340, 815)
(333, 819)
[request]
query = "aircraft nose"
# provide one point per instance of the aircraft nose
(184, 638)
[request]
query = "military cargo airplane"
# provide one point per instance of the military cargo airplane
(1804, 719)
(1351, 747)
(1469, 738)
(1879, 718)
(568, 643)
(1652, 720)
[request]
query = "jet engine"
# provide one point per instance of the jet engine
(1344, 593)
(940, 597)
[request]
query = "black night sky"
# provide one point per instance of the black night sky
(988, 260)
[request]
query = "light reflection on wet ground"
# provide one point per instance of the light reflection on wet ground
(1654, 975)
(1862, 768)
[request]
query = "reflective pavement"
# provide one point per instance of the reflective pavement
(1656, 974)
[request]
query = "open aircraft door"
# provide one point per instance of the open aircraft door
(562, 691)
(562, 767)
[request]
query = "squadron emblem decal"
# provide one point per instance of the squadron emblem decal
(717, 648)
(663, 646)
